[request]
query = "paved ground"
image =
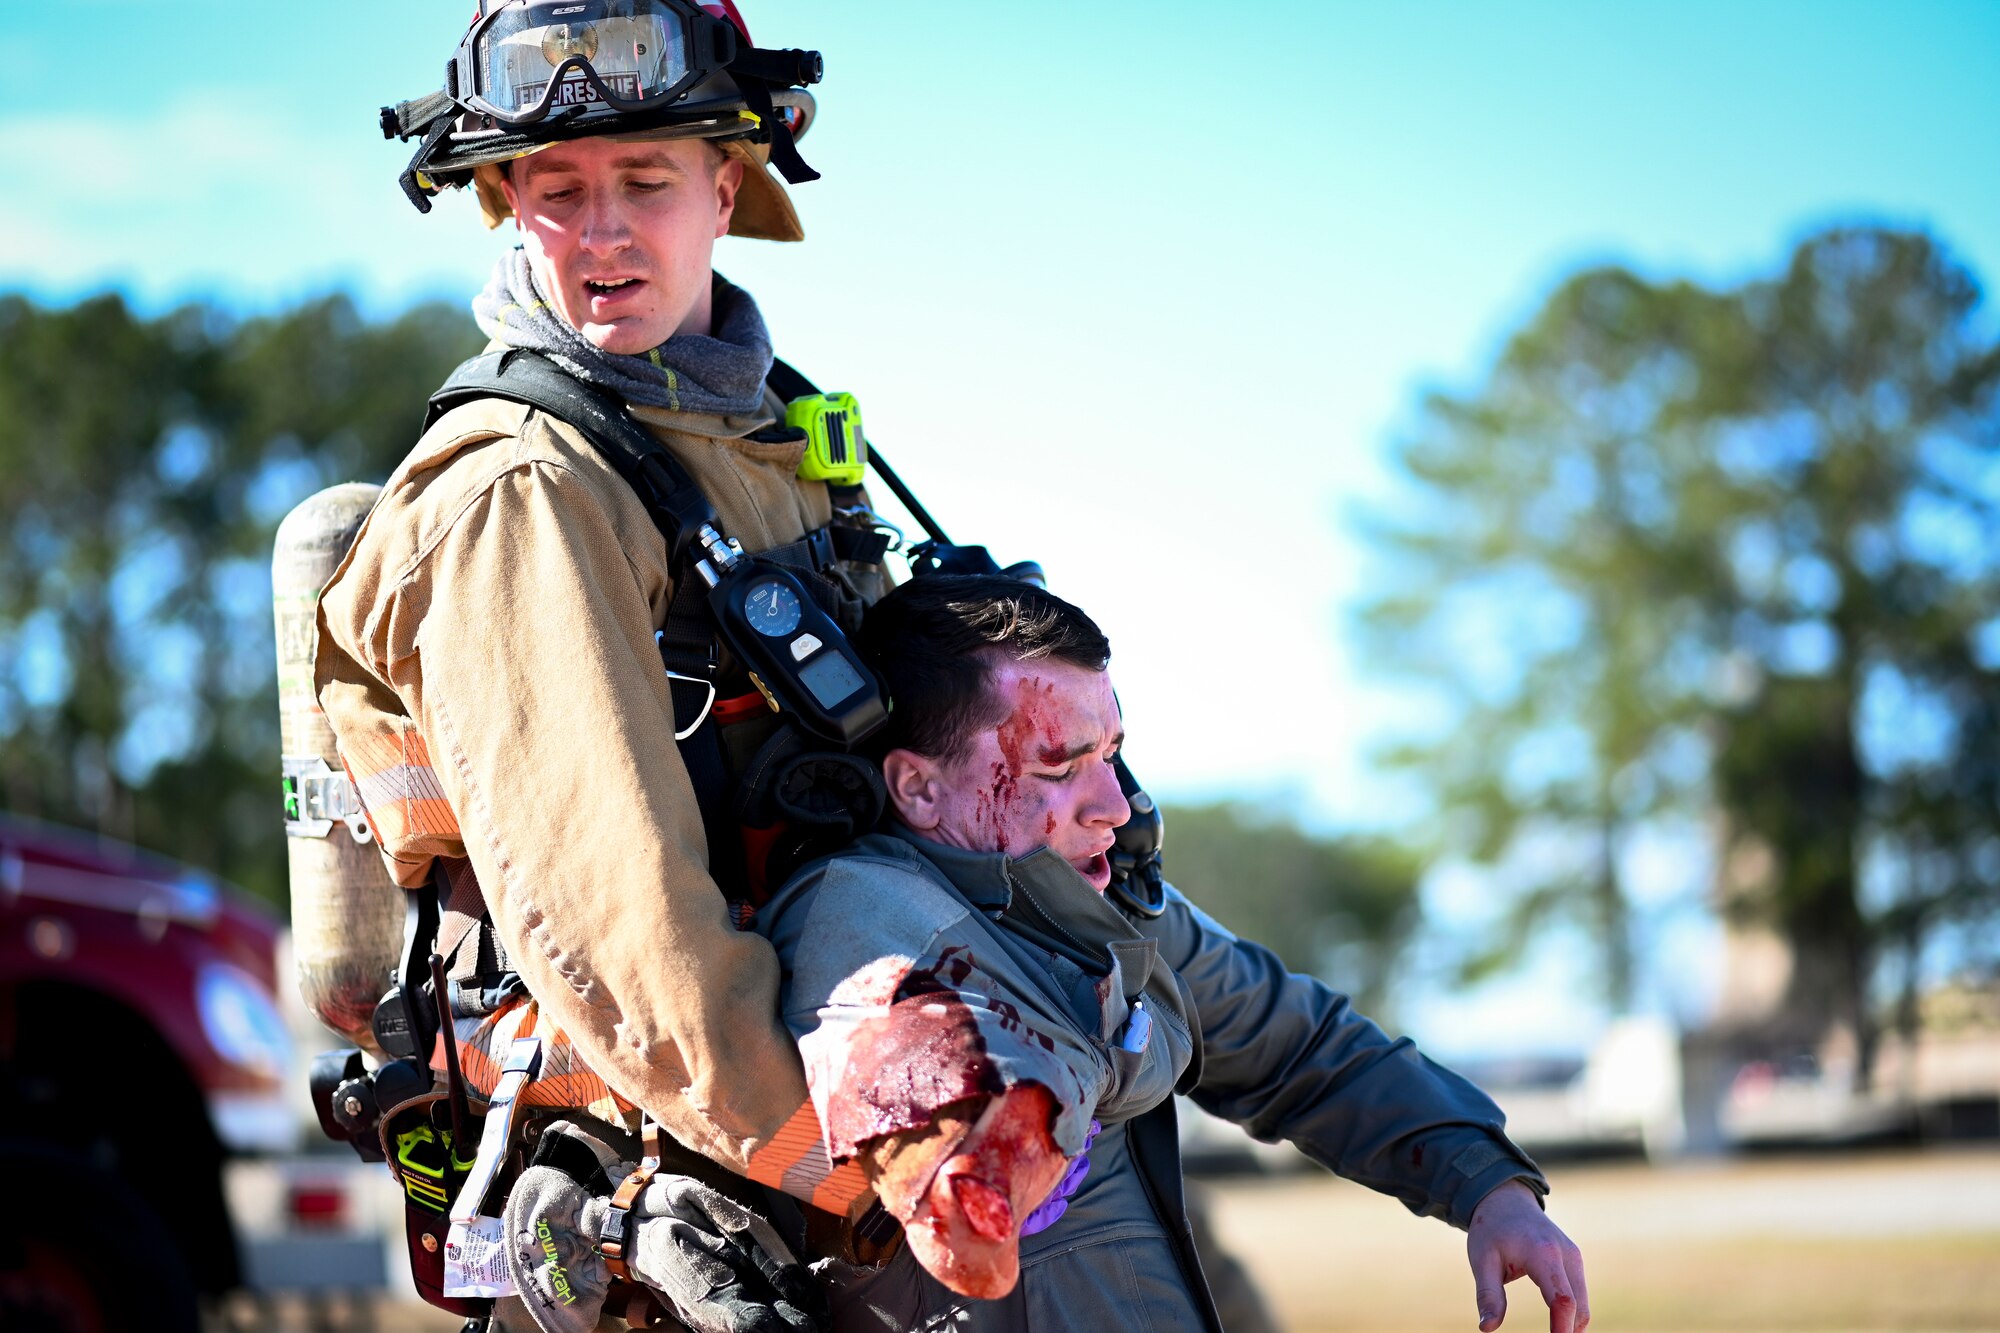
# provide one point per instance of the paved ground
(1889, 1241)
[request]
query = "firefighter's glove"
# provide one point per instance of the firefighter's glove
(722, 1268)
(552, 1231)
(717, 1267)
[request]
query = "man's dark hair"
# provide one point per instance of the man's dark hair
(933, 642)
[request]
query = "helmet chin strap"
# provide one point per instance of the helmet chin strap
(412, 179)
(757, 97)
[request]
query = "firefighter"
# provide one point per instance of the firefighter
(489, 652)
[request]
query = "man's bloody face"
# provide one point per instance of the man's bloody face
(621, 236)
(1042, 777)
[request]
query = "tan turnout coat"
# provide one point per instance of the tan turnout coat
(486, 657)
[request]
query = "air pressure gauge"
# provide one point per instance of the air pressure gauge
(797, 655)
(771, 607)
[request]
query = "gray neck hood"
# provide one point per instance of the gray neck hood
(720, 375)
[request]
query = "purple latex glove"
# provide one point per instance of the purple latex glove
(1052, 1207)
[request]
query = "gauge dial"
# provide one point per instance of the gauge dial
(772, 609)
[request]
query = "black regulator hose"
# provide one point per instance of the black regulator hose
(1137, 882)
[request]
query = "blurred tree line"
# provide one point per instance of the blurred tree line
(1339, 908)
(1720, 559)
(1716, 558)
(144, 466)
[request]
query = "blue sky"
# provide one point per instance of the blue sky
(1137, 289)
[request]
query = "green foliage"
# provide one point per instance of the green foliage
(144, 466)
(1718, 555)
(1338, 908)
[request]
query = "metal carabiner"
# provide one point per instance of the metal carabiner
(897, 541)
(707, 705)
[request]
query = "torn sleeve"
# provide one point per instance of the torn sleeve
(903, 1004)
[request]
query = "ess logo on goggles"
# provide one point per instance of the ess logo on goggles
(527, 59)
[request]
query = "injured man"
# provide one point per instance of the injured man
(998, 1045)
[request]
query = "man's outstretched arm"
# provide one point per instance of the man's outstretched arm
(1288, 1057)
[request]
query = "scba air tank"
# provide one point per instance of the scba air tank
(347, 914)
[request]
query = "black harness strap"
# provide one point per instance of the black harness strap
(790, 385)
(680, 510)
(687, 648)
(678, 507)
(861, 546)
(687, 638)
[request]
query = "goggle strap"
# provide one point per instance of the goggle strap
(408, 119)
(779, 68)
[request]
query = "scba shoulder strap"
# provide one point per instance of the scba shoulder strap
(676, 503)
(678, 507)
(1137, 883)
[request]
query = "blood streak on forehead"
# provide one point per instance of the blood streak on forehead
(1033, 716)
(1033, 719)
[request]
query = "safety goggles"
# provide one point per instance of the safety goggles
(525, 60)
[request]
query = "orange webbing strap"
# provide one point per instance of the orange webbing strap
(565, 1081)
(618, 1222)
(796, 1161)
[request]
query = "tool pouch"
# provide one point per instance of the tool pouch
(431, 1169)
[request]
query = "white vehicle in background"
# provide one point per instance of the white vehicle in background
(1625, 1097)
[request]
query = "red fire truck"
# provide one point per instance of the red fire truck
(142, 1055)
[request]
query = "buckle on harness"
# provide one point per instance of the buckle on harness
(318, 796)
(615, 1240)
(876, 523)
(496, 1136)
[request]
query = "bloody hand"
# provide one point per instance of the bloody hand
(1512, 1237)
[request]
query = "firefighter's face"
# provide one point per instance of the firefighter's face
(621, 235)
(1042, 777)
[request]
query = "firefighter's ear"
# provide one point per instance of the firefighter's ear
(914, 789)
